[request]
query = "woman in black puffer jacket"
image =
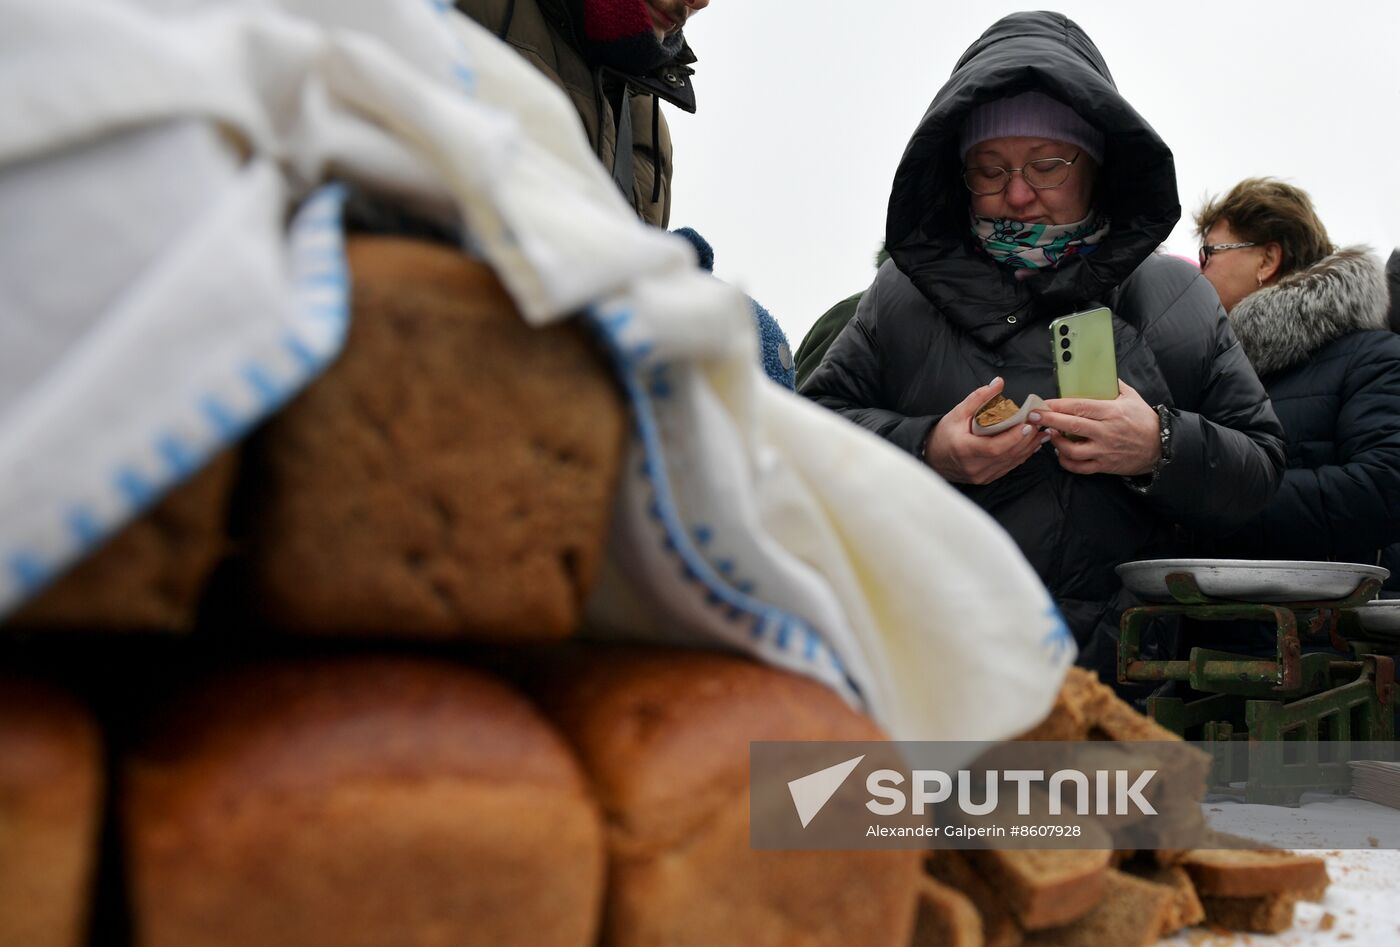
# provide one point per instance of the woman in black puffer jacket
(1313, 323)
(1030, 190)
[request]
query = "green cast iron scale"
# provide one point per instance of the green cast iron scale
(1287, 708)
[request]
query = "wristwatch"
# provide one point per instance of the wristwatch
(1165, 420)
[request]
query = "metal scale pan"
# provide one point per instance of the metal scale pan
(1262, 581)
(1381, 619)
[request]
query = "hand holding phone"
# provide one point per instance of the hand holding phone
(1101, 423)
(1092, 436)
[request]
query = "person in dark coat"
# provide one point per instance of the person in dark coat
(1313, 321)
(1391, 559)
(617, 60)
(828, 326)
(1030, 190)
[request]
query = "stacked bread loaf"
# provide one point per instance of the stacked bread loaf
(379, 800)
(450, 476)
(50, 804)
(1093, 898)
(448, 481)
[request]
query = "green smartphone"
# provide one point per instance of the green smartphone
(1085, 363)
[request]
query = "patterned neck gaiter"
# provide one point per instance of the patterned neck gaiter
(618, 33)
(1023, 246)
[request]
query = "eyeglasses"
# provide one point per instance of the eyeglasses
(1208, 248)
(1043, 174)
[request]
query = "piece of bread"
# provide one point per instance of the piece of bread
(362, 801)
(946, 918)
(450, 476)
(1077, 707)
(1116, 720)
(952, 868)
(1132, 913)
(150, 575)
(50, 813)
(1267, 915)
(1045, 887)
(1186, 908)
(996, 410)
(1244, 873)
(665, 736)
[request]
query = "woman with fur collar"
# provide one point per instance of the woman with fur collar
(1312, 320)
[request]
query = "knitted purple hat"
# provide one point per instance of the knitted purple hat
(1030, 115)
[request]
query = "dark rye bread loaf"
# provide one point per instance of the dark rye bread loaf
(450, 476)
(150, 575)
(664, 736)
(363, 801)
(50, 810)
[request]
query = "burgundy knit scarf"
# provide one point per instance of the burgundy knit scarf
(619, 33)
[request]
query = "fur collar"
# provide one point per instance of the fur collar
(1283, 324)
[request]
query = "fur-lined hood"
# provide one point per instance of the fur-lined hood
(1283, 324)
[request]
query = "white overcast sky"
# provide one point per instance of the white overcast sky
(805, 108)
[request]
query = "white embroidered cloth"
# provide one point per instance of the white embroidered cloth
(156, 302)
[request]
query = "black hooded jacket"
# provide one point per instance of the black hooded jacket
(942, 318)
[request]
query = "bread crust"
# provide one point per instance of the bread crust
(1045, 887)
(365, 800)
(664, 735)
(451, 475)
(150, 575)
(1228, 873)
(51, 787)
(1132, 913)
(946, 918)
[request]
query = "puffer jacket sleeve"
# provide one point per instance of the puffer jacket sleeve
(848, 381)
(1227, 454)
(1353, 504)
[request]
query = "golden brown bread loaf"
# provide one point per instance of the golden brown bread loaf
(50, 811)
(664, 736)
(151, 574)
(363, 801)
(451, 475)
